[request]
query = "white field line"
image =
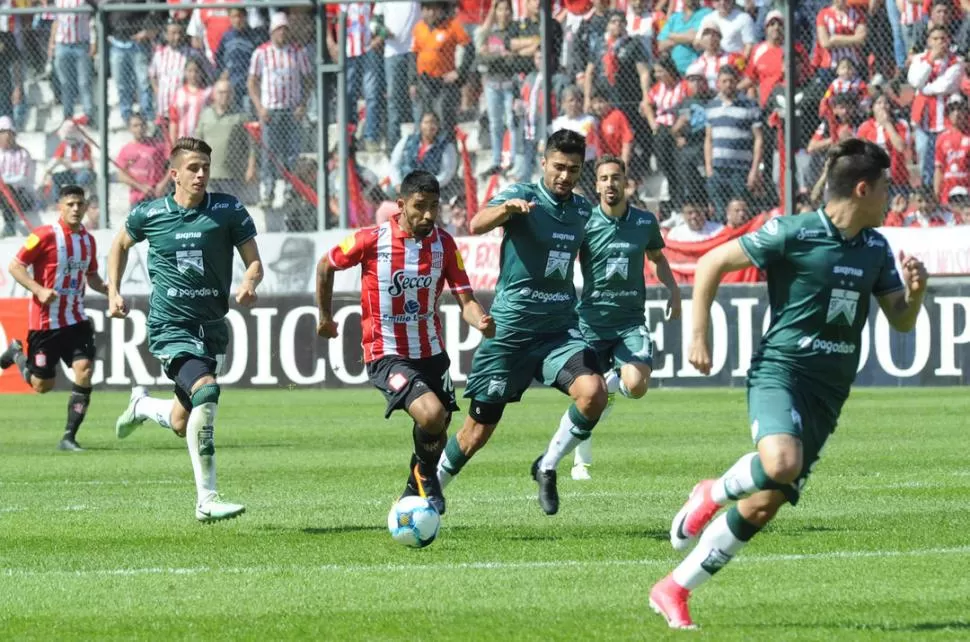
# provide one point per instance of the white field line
(465, 566)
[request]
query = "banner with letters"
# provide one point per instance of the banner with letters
(275, 343)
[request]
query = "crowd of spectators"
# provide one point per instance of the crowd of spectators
(688, 92)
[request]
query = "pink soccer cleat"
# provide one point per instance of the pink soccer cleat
(669, 599)
(694, 516)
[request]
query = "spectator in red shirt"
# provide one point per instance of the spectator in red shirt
(143, 162)
(924, 211)
(952, 166)
(893, 135)
(615, 133)
(840, 33)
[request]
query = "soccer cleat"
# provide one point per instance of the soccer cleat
(214, 509)
(70, 445)
(6, 359)
(694, 516)
(669, 599)
(127, 421)
(423, 485)
(548, 494)
(580, 472)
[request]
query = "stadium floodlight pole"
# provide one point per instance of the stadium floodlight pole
(342, 135)
(545, 15)
(323, 115)
(788, 122)
(101, 20)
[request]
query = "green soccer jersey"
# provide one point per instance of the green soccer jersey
(818, 289)
(535, 290)
(190, 255)
(611, 259)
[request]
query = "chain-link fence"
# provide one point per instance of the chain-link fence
(689, 94)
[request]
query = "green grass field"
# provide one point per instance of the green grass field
(104, 544)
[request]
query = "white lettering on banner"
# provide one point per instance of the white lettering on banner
(666, 371)
(288, 348)
(949, 339)
(335, 348)
(240, 349)
(921, 353)
(126, 352)
(745, 329)
(264, 347)
(719, 340)
(453, 343)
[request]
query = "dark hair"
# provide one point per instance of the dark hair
(936, 28)
(419, 182)
(187, 144)
(610, 159)
(845, 99)
(566, 142)
(71, 190)
(430, 113)
(849, 163)
(668, 64)
(946, 3)
(729, 70)
(925, 193)
(136, 115)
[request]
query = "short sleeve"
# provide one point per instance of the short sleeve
(34, 246)
(461, 37)
(888, 280)
(135, 223)
(350, 251)
(256, 63)
(241, 225)
(765, 245)
(626, 131)
(507, 194)
(655, 240)
(454, 267)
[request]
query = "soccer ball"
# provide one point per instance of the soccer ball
(413, 522)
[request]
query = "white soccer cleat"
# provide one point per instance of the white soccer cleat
(127, 422)
(580, 472)
(215, 509)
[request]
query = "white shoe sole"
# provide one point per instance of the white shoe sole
(579, 473)
(659, 611)
(204, 518)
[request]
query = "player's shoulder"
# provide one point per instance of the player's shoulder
(517, 190)
(581, 206)
(152, 208)
(444, 236)
(874, 239)
(642, 218)
(222, 201)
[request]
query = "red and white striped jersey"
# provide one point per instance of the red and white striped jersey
(648, 23)
(186, 108)
(401, 280)
(72, 154)
(72, 28)
(665, 100)
(8, 23)
(61, 260)
(16, 167)
(168, 70)
(210, 24)
(281, 71)
(358, 28)
(837, 24)
(929, 111)
(841, 86)
(912, 13)
(710, 66)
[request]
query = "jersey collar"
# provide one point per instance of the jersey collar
(67, 229)
(617, 220)
(541, 186)
(830, 228)
(175, 207)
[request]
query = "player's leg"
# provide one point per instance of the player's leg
(577, 375)
(77, 403)
(142, 407)
(474, 434)
(604, 348)
(38, 367)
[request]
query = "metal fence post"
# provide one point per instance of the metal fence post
(101, 19)
(342, 117)
(545, 15)
(788, 180)
(323, 117)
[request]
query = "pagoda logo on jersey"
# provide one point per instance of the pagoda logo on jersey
(400, 283)
(618, 267)
(842, 307)
(558, 261)
(186, 260)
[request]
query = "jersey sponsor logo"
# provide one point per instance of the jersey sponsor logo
(847, 271)
(40, 360)
(411, 306)
(497, 385)
(186, 260)
(400, 282)
(437, 259)
(189, 293)
(562, 236)
(619, 245)
(613, 294)
(220, 206)
(405, 318)
(618, 267)
(545, 297)
(807, 235)
(31, 241)
(833, 347)
(188, 235)
(843, 305)
(558, 262)
(872, 241)
(155, 210)
(644, 221)
(382, 257)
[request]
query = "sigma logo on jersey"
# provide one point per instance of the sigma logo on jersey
(843, 305)
(620, 245)
(186, 260)
(618, 267)
(848, 271)
(400, 283)
(558, 262)
(561, 236)
(181, 236)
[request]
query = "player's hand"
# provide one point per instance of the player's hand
(327, 327)
(117, 308)
(46, 296)
(914, 274)
(673, 309)
(246, 295)
(700, 356)
(486, 325)
(517, 206)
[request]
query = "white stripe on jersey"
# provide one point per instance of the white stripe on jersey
(74, 284)
(385, 269)
(437, 250)
(412, 268)
(56, 305)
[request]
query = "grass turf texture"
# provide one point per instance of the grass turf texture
(103, 544)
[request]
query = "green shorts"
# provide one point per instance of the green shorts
(631, 345)
(777, 410)
(503, 367)
(206, 341)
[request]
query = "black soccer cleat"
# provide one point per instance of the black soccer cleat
(6, 359)
(548, 493)
(421, 484)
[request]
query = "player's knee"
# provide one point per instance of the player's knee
(783, 466)
(431, 417)
(590, 395)
(41, 386)
(83, 374)
(637, 385)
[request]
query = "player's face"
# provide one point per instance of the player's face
(421, 212)
(173, 35)
(72, 210)
(192, 173)
(874, 199)
(561, 172)
(610, 184)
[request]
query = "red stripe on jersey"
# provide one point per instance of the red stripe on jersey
(665, 100)
(186, 109)
(358, 28)
(281, 71)
(168, 69)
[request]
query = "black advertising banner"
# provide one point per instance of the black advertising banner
(275, 343)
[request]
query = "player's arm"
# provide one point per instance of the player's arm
(96, 283)
(474, 314)
(325, 325)
(902, 305)
(20, 274)
(666, 276)
(249, 253)
(712, 267)
(117, 262)
(497, 215)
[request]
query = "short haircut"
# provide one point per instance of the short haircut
(852, 162)
(940, 28)
(187, 144)
(568, 142)
(572, 90)
(610, 159)
(729, 70)
(845, 99)
(432, 114)
(135, 116)
(941, 3)
(419, 182)
(71, 190)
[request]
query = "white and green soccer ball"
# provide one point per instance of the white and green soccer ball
(413, 522)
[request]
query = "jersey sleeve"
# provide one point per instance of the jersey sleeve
(350, 251)
(241, 225)
(34, 246)
(454, 267)
(655, 240)
(765, 245)
(507, 194)
(93, 264)
(135, 223)
(888, 280)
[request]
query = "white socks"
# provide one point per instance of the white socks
(444, 477)
(200, 439)
(584, 453)
(716, 547)
(158, 410)
(736, 483)
(564, 441)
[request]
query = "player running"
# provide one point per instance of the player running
(611, 309)
(405, 263)
(537, 333)
(822, 267)
(64, 260)
(191, 236)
